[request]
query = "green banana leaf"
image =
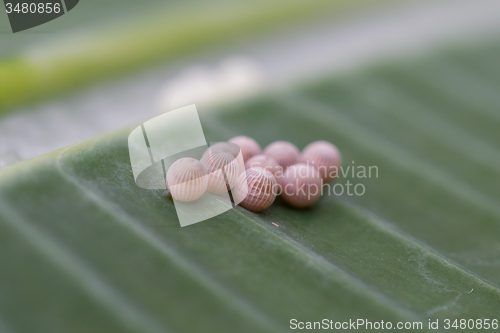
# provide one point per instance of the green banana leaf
(83, 249)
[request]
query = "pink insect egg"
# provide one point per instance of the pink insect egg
(264, 161)
(325, 157)
(301, 185)
(186, 179)
(222, 147)
(220, 167)
(256, 189)
(285, 153)
(249, 147)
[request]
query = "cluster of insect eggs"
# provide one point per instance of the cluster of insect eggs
(281, 164)
(299, 176)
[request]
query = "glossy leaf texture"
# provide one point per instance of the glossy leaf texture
(83, 249)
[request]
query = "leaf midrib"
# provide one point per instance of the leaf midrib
(310, 256)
